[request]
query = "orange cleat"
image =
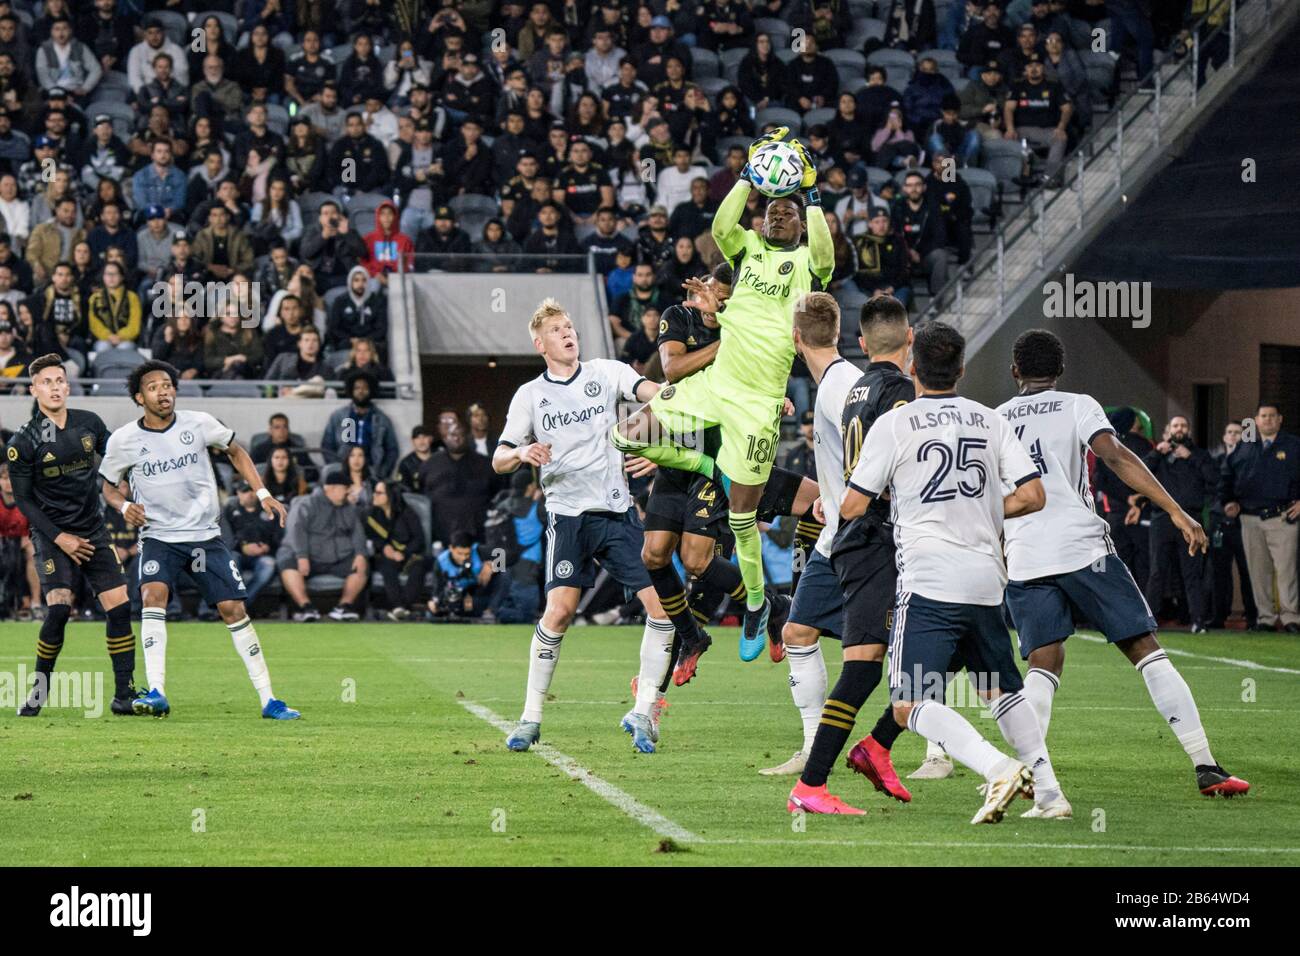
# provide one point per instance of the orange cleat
(872, 761)
(1217, 782)
(818, 800)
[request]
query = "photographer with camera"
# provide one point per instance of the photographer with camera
(1191, 478)
(464, 582)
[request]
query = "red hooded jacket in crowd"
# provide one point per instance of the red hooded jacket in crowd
(383, 246)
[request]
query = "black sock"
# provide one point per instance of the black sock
(121, 648)
(806, 533)
(721, 579)
(48, 645)
(672, 595)
(886, 730)
(857, 680)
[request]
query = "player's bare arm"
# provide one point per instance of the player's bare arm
(1025, 500)
(118, 501)
(679, 363)
(1130, 470)
(854, 504)
(506, 460)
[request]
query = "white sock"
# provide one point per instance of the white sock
(246, 645)
(543, 655)
(153, 637)
(1040, 688)
(1172, 697)
(656, 658)
(807, 687)
(940, 724)
(933, 750)
(1019, 725)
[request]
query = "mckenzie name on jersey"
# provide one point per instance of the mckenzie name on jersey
(1056, 429)
(55, 468)
(574, 416)
(171, 474)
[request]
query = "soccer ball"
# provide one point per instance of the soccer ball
(776, 170)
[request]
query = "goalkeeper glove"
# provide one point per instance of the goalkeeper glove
(775, 136)
(809, 182)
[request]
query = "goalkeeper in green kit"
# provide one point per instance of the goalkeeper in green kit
(743, 390)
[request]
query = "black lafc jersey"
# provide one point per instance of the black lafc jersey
(53, 469)
(681, 323)
(882, 387)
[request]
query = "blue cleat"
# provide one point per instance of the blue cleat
(642, 731)
(526, 733)
(279, 710)
(153, 704)
(753, 631)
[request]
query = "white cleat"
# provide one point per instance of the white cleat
(790, 768)
(934, 767)
(1056, 809)
(1013, 779)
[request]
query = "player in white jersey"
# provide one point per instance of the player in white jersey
(163, 456)
(818, 606)
(558, 423)
(943, 460)
(1061, 558)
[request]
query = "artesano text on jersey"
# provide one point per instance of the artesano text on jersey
(170, 474)
(1055, 428)
(828, 444)
(574, 416)
(944, 460)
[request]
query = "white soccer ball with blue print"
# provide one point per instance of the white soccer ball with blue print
(776, 170)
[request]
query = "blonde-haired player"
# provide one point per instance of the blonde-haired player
(557, 423)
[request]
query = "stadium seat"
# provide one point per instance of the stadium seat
(333, 294)
(983, 193)
(727, 142)
(778, 30)
(786, 55)
(898, 63)
(853, 85)
(1002, 158)
(234, 390)
(229, 25)
(338, 54)
(823, 114)
(712, 86)
(362, 221)
(112, 86)
(864, 30)
(115, 364)
(779, 116)
(474, 202)
(123, 116)
(175, 25)
(633, 232)
(704, 64)
(366, 202)
(939, 55)
(877, 177)
(960, 83)
(862, 8)
(423, 507)
(583, 230)
(277, 118)
(848, 60)
(730, 59)
(310, 204)
(1101, 71)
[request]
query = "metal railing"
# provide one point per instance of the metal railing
(980, 291)
(215, 387)
(505, 263)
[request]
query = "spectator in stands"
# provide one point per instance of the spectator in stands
(762, 75)
(109, 36)
(498, 251)
(360, 422)
(386, 244)
(880, 259)
(276, 216)
(304, 365)
(625, 313)
(922, 227)
(8, 294)
(446, 240)
(640, 346)
(356, 469)
(552, 242)
(358, 163)
(231, 351)
(1064, 66)
(607, 240)
(812, 81)
(362, 357)
(103, 155)
(652, 57)
(283, 477)
(304, 156)
(331, 248)
(216, 95)
(1038, 111)
(1226, 547)
(283, 323)
(459, 483)
(685, 264)
(15, 212)
(951, 135)
(408, 469)
(984, 40)
(60, 302)
(893, 145)
(223, 248)
(179, 343)
(163, 89)
(1188, 474)
(983, 101)
(398, 547)
(952, 199)
(654, 244)
(182, 263)
(260, 67)
(114, 312)
(19, 586)
(279, 435)
(139, 63)
(153, 242)
(582, 186)
(727, 174)
(1015, 57)
(406, 70)
(1131, 19)
(14, 354)
(924, 96)
(253, 536)
(160, 183)
(65, 62)
(361, 312)
(1260, 482)
(481, 436)
(909, 25)
(855, 210)
(693, 217)
(52, 242)
(324, 536)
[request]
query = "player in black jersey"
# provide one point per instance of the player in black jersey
(52, 464)
(862, 557)
(687, 509)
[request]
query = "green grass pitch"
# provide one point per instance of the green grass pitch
(391, 766)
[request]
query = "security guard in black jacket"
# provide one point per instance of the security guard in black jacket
(1226, 548)
(1188, 474)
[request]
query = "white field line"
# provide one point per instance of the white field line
(766, 703)
(957, 845)
(1232, 661)
(611, 794)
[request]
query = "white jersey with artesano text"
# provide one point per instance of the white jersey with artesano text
(828, 443)
(575, 415)
(170, 474)
(1056, 428)
(944, 460)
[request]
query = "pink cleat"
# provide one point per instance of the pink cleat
(872, 761)
(819, 800)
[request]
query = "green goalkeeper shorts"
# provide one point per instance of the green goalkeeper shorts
(749, 423)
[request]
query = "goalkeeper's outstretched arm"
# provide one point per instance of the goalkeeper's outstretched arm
(728, 233)
(821, 247)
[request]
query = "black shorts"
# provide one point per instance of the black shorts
(673, 498)
(103, 572)
(708, 514)
(863, 556)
